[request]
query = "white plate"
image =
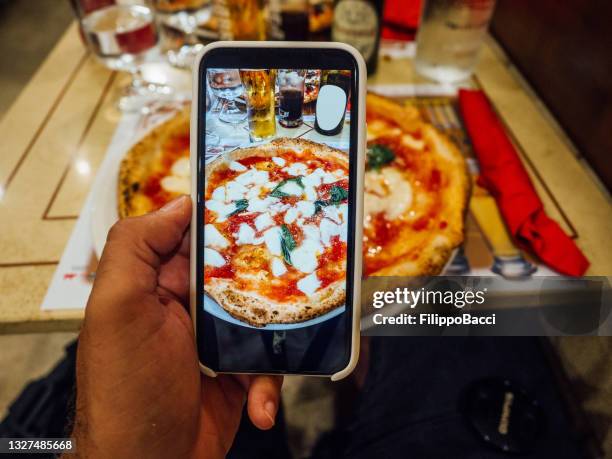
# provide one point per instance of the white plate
(104, 203)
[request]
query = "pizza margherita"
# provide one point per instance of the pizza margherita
(416, 192)
(275, 231)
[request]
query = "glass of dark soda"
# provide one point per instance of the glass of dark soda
(291, 96)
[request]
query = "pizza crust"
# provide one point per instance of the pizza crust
(406, 117)
(259, 311)
(139, 162)
(271, 149)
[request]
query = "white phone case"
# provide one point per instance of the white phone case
(361, 145)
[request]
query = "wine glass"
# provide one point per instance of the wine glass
(182, 24)
(212, 139)
(226, 84)
(123, 37)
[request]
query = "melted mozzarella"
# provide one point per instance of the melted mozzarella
(329, 177)
(263, 221)
(213, 237)
(219, 194)
(309, 284)
(246, 235)
(235, 190)
(306, 208)
(292, 188)
(311, 232)
(253, 176)
(278, 207)
(291, 215)
(411, 142)
(376, 128)
(213, 258)
(272, 238)
(296, 169)
(344, 232)
(236, 166)
(314, 178)
(174, 184)
(181, 168)
(260, 205)
(254, 192)
(387, 191)
(333, 213)
(304, 257)
(270, 185)
(278, 267)
(278, 161)
(221, 209)
(328, 230)
(343, 212)
(311, 193)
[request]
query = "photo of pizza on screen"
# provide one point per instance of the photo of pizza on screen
(276, 204)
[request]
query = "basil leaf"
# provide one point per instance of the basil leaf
(378, 156)
(241, 205)
(278, 193)
(319, 204)
(337, 194)
(287, 243)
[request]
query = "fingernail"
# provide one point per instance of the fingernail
(173, 205)
(270, 410)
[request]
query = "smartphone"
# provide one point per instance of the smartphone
(277, 142)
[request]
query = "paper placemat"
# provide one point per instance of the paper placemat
(73, 278)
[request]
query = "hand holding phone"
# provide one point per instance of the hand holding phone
(139, 388)
(276, 232)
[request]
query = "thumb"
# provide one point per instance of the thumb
(135, 248)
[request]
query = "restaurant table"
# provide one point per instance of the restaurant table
(56, 133)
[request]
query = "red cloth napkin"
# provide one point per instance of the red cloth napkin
(503, 175)
(401, 19)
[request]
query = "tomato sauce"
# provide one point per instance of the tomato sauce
(383, 231)
(435, 180)
(225, 272)
(297, 233)
(174, 148)
(284, 292)
(236, 220)
(153, 190)
(252, 160)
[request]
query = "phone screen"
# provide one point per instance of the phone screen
(275, 207)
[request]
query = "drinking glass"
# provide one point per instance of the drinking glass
(212, 139)
(123, 37)
(294, 19)
(241, 19)
(180, 23)
(450, 36)
(291, 97)
(259, 90)
(226, 84)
